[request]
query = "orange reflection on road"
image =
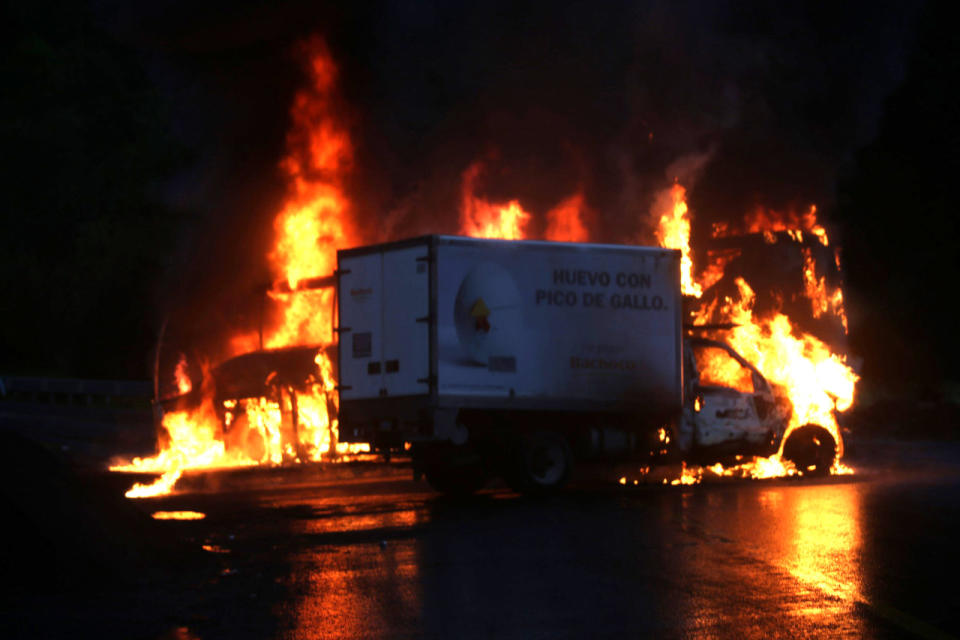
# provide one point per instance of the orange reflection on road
(178, 515)
(822, 547)
(359, 577)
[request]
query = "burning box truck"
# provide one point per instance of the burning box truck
(513, 358)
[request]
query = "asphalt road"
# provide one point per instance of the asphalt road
(364, 552)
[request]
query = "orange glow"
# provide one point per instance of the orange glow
(178, 515)
(288, 424)
(769, 222)
(182, 378)
(816, 380)
(715, 269)
(822, 301)
(673, 232)
(717, 368)
(482, 219)
(195, 442)
(565, 221)
(801, 367)
(315, 219)
(688, 475)
(297, 421)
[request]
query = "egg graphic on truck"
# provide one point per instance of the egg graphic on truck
(487, 316)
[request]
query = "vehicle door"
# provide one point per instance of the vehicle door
(726, 395)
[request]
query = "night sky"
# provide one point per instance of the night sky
(143, 143)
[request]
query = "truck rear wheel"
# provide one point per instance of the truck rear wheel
(541, 463)
(811, 449)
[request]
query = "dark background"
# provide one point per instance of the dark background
(142, 143)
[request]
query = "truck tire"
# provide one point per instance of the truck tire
(541, 463)
(811, 449)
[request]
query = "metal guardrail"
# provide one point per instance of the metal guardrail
(73, 390)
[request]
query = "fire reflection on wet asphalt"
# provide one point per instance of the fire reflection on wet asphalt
(376, 555)
(738, 560)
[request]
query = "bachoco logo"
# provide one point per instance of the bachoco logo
(481, 313)
(487, 314)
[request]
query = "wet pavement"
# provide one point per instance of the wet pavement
(365, 552)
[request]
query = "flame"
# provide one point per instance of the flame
(770, 222)
(313, 222)
(822, 301)
(195, 441)
(717, 266)
(178, 515)
(565, 221)
(182, 378)
(482, 219)
(688, 475)
(297, 424)
(674, 233)
(718, 369)
(817, 382)
(315, 219)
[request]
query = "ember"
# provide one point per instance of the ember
(178, 515)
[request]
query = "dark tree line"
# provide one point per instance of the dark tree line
(898, 207)
(86, 235)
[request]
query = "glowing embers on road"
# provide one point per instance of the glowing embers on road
(178, 515)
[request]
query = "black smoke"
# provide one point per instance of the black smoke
(555, 97)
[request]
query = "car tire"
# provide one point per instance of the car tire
(541, 463)
(811, 449)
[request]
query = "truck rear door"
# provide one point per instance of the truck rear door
(406, 322)
(360, 282)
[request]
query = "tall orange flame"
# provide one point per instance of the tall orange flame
(310, 226)
(314, 221)
(673, 232)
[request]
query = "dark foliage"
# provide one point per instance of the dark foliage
(86, 234)
(899, 213)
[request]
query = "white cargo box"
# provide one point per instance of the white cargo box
(453, 322)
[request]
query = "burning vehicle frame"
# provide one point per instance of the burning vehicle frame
(278, 393)
(258, 387)
(531, 445)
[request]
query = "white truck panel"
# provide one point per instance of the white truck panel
(512, 324)
(361, 324)
(558, 321)
(406, 327)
